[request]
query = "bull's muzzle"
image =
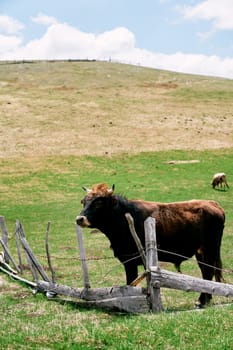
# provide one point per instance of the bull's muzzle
(82, 221)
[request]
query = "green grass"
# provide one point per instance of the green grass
(51, 190)
(34, 323)
(64, 125)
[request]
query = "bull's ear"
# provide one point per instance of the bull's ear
(86, 189)
(110, 191)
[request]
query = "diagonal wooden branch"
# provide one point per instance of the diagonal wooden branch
(20, 233)
(32, 257)
(6, 250)
(4, 238)
(139, 279)
(19, 252)
(18, 278)
(4, 264)
(136, 238)
(47, 252)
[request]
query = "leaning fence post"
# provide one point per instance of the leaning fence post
(82, 256)
(19, 251)
(47, 252)
(152, 260)
(4, 237)
(6, 252)
(18, 233)
(32, 260)
(136, 238)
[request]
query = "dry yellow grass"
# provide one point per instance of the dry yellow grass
(96, 108)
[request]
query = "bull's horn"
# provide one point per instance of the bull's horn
(86, 189)
(110, 191)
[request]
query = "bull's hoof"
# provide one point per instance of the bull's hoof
(199, 305)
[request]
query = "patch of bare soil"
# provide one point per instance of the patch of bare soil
(136, 133)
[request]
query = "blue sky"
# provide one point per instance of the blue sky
(193, 36)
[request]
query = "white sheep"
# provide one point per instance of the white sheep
(219, 179)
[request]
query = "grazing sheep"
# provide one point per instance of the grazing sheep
(219, 179)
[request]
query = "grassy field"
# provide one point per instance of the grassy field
(64, 125)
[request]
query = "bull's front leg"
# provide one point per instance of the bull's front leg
(131, 270)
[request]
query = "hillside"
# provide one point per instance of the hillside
(98, 108)
(53, 112)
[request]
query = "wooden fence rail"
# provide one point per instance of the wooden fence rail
(187, 283)
(125, 298)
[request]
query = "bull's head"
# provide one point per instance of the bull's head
(96, 203)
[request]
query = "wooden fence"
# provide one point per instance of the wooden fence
(131, 298)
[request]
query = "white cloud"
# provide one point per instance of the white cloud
(9, 25)
(62, 41)
(8, 43)
(203, 36)
(181, 62)
(11, 38)
(44, 19)
(220, 12)
(111, 43)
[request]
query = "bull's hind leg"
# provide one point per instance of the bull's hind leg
(207, 271)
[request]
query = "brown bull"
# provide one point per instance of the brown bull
(184, 229)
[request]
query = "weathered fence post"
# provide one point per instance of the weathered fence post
(18, 233)
(82, 256)
(47, 252)
(4, 237)
(152, 260)
(32, 260)
(6, 252)
(17, 239)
